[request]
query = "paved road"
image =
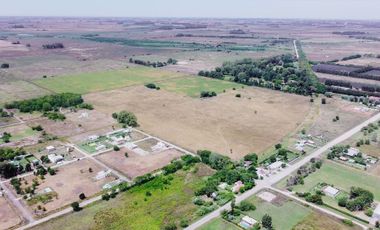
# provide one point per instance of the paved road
(273, 179)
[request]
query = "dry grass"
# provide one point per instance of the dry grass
(249, 124)
(8, 216)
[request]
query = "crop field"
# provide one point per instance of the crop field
(99, 81)
(192, 86)
(167, 204)
(70, 181)
(137, 165)
(217, 123)
(340, 176)
(8, 216)
(18, 90)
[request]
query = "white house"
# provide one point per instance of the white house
(352, 152)
(237, 186)
(331, 191)
(247, 222)
(93, 137)
(55, 158)
(275, 165)
(102, 174)
(159, 147)
(50, 148)
(100, 147)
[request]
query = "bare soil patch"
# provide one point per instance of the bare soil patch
(8, 216)
(136, 165)
(221, 124)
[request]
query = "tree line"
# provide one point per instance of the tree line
(156, 64)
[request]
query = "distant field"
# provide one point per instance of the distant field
(18, 90)
(192, 86)
(99, 81)
(340, 176)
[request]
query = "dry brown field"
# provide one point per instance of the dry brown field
(70, 181)
(137, 165)
(356, 82)
(8, 216)
(249, 124)
(75, 123)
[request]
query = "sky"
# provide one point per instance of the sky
(309, 9)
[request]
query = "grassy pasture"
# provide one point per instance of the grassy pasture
(99, 81)
(18, 90)
(340, 176)
(192, 86)
(134, 210)
(278, 213)
(219, 223)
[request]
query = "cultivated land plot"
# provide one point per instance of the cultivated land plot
(19, 90)
(355, 82)
(221, 124)
(92, 82)
(137, 165)
(70, 181)
(192, 86)
(342, 177)
(76, 123)
(8, 216)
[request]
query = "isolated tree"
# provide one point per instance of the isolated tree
(75, 206)
(267, 221)
(82, 196)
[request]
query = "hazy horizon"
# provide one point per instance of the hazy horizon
(280, 9)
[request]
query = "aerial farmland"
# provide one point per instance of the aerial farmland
(159, 123)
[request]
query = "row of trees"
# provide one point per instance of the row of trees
(56, 45)
(46, 103)
(156, 64)
(277, 73)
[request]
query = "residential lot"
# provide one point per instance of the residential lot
(64, 187)
(217, 124)
(8, 215)
(135, 164)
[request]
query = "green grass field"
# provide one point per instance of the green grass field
(134, 210)
(219, 223)
(278, 213)
(28, 132)
(192, 86)
(92, 82)
(340, 176)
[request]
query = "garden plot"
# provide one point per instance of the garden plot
(135, 164)
(70, 181)
(8, 216)
(75, 123)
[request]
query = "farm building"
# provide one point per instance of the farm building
(352, 152)
(55, 158)
(276, 165)
(50, 149)
(102, 174)
(331, 191)
(247, 222)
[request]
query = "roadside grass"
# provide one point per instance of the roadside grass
(342, 177)
(193, 85)
(134, 209)
(219, 223)
(99, 81)
(279, 212)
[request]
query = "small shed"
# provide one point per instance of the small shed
(331, 191)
